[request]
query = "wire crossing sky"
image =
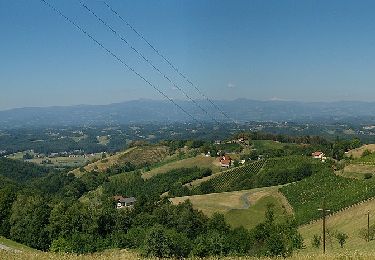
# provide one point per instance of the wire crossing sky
(148, 61)
(169, 63)
(267, 50)
(117, 58)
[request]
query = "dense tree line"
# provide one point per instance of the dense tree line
(333, 148)
(49, 212)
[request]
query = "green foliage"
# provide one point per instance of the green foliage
(341, 238)
(28, 220)
(274, 239)
(366, 153)
(80, 243)
(316, 241)
(307, 195)
(161, 242)
(132, 184)
(19, 171)
(7, 197)
(235, 179)
(261, 173)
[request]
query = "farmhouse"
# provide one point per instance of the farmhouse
(122, 202)
(225, 161)
(319, 155)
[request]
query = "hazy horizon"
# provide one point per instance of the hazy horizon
(289, 50)
(180, 100)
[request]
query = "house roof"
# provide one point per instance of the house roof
(225, 158)
(317, 153)
(225, 162)
(125, 200)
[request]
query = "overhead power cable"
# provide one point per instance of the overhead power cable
(125, 65)
(123, 39)
(169, 62)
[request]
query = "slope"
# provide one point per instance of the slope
(136, 156)
(352, 221)
(241, 208)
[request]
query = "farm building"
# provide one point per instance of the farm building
(225, 161)
(319, 155)
(122, 202)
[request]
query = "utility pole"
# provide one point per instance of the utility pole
(368, 226)
(324, 211)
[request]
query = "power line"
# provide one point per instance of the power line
(145, 59)
(169, 62)
(116, 57)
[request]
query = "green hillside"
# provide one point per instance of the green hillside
(19, 171)
(261, 173)
(241, 208)
(338, 192)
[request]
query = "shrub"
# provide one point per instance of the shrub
(341, 238)
(316, 240)
(366, 153)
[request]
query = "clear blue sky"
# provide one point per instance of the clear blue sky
(307, 50)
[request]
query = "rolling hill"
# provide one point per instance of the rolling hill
(144, 110)
(241, 208)
(352, 221)
(136, 156)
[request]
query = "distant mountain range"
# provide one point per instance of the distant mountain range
(139, 111)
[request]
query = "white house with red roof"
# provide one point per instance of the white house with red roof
(225, 161)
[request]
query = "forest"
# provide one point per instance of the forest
(48, 213)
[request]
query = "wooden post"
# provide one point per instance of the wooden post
(368, 226)
(324, 210)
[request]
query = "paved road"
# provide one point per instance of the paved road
(7, 248)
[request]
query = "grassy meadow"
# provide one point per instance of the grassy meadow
(351, 221)
(241, 208)
(199, 161)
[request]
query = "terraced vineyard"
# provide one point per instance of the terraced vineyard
(338, 192)
(262, 173)
(227, 181)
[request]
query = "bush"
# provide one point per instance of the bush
(316, 240)
(368, 175)
(366, 153)
(341, 238)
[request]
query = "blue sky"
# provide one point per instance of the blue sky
(307, 50)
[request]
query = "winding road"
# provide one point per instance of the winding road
(245, 200)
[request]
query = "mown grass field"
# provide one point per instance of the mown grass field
(199, 161)
(14, 245)
(37, 255)
(138, 156)
(241, 208)
(127, 255)
(356, 171)
(267, 144)
(103, 140)
(357, 153)
(360, 165)
(351, 222)
(78, 161)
